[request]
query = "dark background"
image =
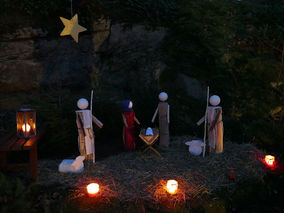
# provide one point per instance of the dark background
(234, 47)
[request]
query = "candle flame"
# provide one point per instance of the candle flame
(269, 160)
(24, 128)
(172, 186)
(92, 189)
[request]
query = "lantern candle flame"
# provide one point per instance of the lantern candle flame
(93, 189)
(26, 129)
(269, 160)
(172, 186)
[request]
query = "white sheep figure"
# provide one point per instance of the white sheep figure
(195, 147)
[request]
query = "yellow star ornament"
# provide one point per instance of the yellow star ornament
(72, 27)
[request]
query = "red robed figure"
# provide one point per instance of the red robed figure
(129, 119)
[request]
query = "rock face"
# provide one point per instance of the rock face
(111, 60)
(19, 69)
(115, 61)
(192, 87)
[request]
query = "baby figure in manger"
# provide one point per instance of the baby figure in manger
(215, 125)
(86, 138)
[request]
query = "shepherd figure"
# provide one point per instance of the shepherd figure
(215, 125)
(86, 138)
(163, 110)
(129, 119)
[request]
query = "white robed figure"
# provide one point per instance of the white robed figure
(84, 120)
(215, 125)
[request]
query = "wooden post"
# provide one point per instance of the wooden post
(33, 162)
(91, 108)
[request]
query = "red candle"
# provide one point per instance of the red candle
(269, 160)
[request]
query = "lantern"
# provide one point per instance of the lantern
(26, 123)
(172, 186)
(269, 160)
(93, 189)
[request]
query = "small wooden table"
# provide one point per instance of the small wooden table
(11, 143)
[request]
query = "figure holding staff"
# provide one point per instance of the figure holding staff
(84, 120)
(214, 127)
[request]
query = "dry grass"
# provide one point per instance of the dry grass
(105, 193)
(161, 197)
(137, 176)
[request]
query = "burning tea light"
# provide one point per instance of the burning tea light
(172, 186)
(26, 123)
(93, 189)
(24, 128)
(269, 160)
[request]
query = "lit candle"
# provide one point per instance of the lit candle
(93, 189)
(172, 186)
(269, 160)
(24, 128)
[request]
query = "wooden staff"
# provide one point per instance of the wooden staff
(91, 109)
(205, 122)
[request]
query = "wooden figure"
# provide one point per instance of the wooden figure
(163, 110)
(215, 125)
(129, 119)
(84, 119)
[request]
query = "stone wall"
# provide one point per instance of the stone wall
(114, 60)
(111, 60)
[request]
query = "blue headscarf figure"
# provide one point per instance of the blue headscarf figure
(125, 106)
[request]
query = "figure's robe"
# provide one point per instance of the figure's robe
(164, 120)
(86, 137)
(128, 134)
(215, 129)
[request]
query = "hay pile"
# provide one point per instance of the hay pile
(136, 176)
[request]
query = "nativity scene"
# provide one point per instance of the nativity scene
(151, 137)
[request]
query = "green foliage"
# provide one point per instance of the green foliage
(16, 197)
(215, 207)
(255, 196)
(57, 110)
(237, 49)
(45, 13)
(148, 12)
(22, 13)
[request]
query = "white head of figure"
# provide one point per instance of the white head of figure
(163, 96)
(130, 105)
(214, 100)
(82, 103)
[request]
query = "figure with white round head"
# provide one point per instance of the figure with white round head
(163, 96)
(84, 121)
(214, 100)
(82, 103)
(163, 110)
(215, 124)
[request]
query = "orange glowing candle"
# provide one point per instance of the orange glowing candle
(93, 189)
(269, 160)
(26, 129)
(172, 186)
